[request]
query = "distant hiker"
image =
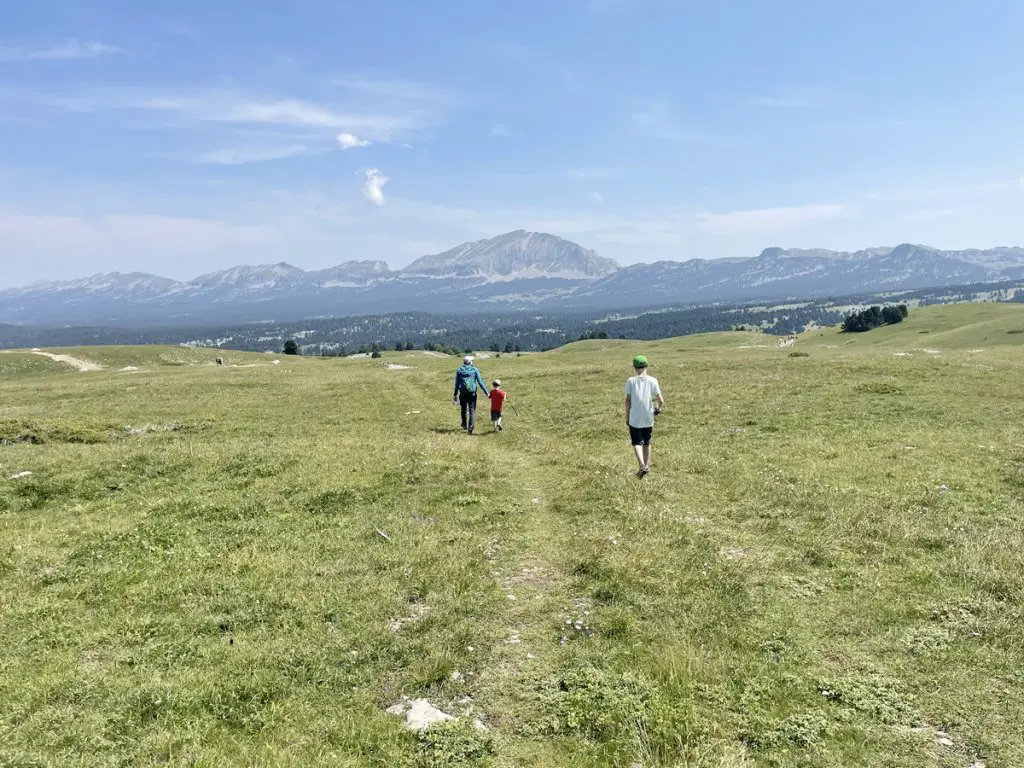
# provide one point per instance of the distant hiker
(497, 397)
(467, 377)
(643, 403)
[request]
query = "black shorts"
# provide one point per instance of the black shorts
(495, 415)
(640, 435)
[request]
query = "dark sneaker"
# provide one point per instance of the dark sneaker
(644, 472)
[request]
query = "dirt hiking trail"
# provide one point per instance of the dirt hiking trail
(76, 362)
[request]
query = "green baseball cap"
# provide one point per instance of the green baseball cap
(639, 361)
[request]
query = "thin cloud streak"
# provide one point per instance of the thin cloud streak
(233, 107)
(770, 220)
(770, 102)
(658, 122)
(395, 88)
(70, 49)
(589, 174)
(249, 156)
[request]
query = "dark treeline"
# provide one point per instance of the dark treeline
(460, 334)
(456, 333)
(874, 317)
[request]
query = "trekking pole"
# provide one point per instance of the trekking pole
(514, 409)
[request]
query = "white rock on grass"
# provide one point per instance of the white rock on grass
(20, 475)
(419, 714)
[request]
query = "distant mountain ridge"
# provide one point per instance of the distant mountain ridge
(518, 270)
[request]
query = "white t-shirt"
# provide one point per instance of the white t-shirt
(642, 390)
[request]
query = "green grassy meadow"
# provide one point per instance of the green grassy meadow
(245, 565)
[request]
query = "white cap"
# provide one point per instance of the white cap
(497, 382)
(467, 359)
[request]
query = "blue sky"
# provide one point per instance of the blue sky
(183, 137)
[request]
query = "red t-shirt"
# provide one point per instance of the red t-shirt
(497, 398)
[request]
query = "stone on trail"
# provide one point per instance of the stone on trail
(419, 714)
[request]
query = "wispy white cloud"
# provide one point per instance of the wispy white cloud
(658, 122)
(31, 233)
(69, 49)
(395, 88)
(767, 221)
(929, 214)
(791, 98)
(500, 130)
(243, 156)
(351, 141)
(597, 197)
(180, 29)
(234, 107)
(961, 190)
(285, 112)
(373, 188)
(589, 174)
(773, 102)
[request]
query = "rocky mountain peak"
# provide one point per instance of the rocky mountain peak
(518, 254)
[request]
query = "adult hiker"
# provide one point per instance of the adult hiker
(467, 378)
(643, 403)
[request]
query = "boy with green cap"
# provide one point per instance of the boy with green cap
(643, 402)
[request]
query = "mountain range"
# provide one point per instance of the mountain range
(518, 270)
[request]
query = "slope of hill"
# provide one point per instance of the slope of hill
(941, 329)
(826, 567)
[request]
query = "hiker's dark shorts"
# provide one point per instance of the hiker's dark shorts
(640, 435)
(495, 415)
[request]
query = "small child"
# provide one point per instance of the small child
(497, 397)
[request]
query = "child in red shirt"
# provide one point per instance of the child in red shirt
(497, 397)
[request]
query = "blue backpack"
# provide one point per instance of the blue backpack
(467, 379)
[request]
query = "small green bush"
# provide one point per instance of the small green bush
(455, 743)
(879, 388)
(880, 698)
(803, 730)
(42, 432)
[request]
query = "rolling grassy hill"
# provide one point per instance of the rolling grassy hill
(248, 565)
